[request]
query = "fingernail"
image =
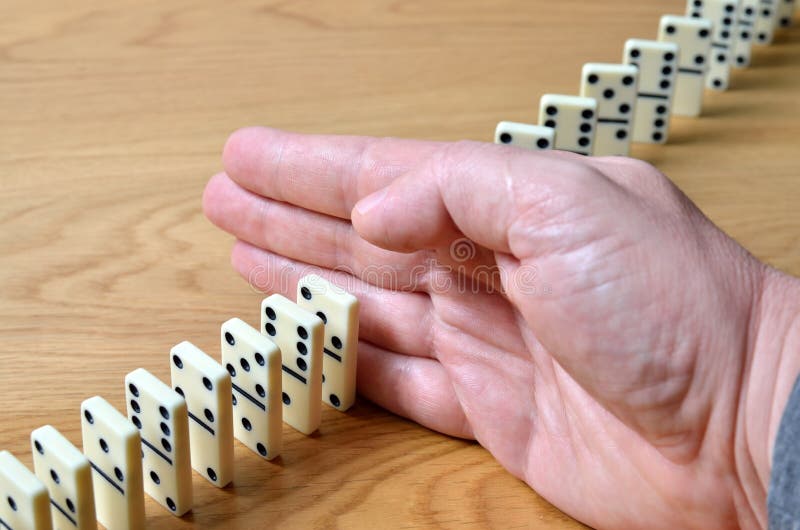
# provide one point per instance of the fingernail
(368, 203)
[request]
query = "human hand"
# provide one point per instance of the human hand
(579, 317)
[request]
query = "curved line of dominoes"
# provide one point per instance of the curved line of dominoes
(543, 136)
(595, 123)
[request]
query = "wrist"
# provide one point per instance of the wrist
(773, 367)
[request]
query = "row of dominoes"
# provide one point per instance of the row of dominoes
(304, 350)
(633, 101)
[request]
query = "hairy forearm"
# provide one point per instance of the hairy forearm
(774, 365)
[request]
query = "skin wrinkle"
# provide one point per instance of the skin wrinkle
(530, 223)
(278, 164)
(343, 243)
(440, 323)
(602, 285)
(451, 161)
(775, 414)
(485, 397)
(744, 457)
(744, 453)
(531, 442)
(416, 373)
(360, 176)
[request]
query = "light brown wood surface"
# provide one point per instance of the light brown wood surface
(113, 115)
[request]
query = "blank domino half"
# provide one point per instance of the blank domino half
(657, 63)
(724, 15)
(68, 476)
(113, 447)
(693, 36)
(338, 309)
(254, 364)
(161, 416)
(207, 389)
(614, 86)
(300, 335)
(574, 120)
(24, 502)
(533, 137)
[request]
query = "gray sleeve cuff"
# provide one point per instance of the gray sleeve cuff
(783, 501)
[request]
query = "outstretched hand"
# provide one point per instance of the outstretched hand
(579, 317)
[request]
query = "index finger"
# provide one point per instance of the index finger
(325, 174)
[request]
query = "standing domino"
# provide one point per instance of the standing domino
(113, 446)
(766, 20)
(657, 63)
(743, 43)
(299, 334)
(254, 364)
(338, 309)
(24, 502)
(574, 120)
(723, 14)
(614, 86)
(207, 389)
(785, 13)
(693, 36)
(68, 476)
(161, 416)
(534, 137)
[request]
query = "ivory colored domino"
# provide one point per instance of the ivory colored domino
(743, 43)
(254, 364)
(766, 21)
(693, 37)
(300, 335)
(206, 386)
(162, 418)
(68, 476)
(785, 13)
(657, 63)
(614, 86)
(724, 15)
(338, 310)
(113, 446)
(533, 137)
(574, 120)
(23, 498)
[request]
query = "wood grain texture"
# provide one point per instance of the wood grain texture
(114, 115)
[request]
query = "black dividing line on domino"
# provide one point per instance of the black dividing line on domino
(692, 71)
(156, 451)
(294, 374)
(652, 96)
(108, 479)
(719, 45)
(334, 355)
(599, 120)
(201, 423)
(4, 525)
(64, 513)
(250, 398)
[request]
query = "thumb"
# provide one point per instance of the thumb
(467, 189)
(405, 216)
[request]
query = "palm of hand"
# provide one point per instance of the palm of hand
(576, 377)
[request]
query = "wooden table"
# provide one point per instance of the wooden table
(114, 115)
